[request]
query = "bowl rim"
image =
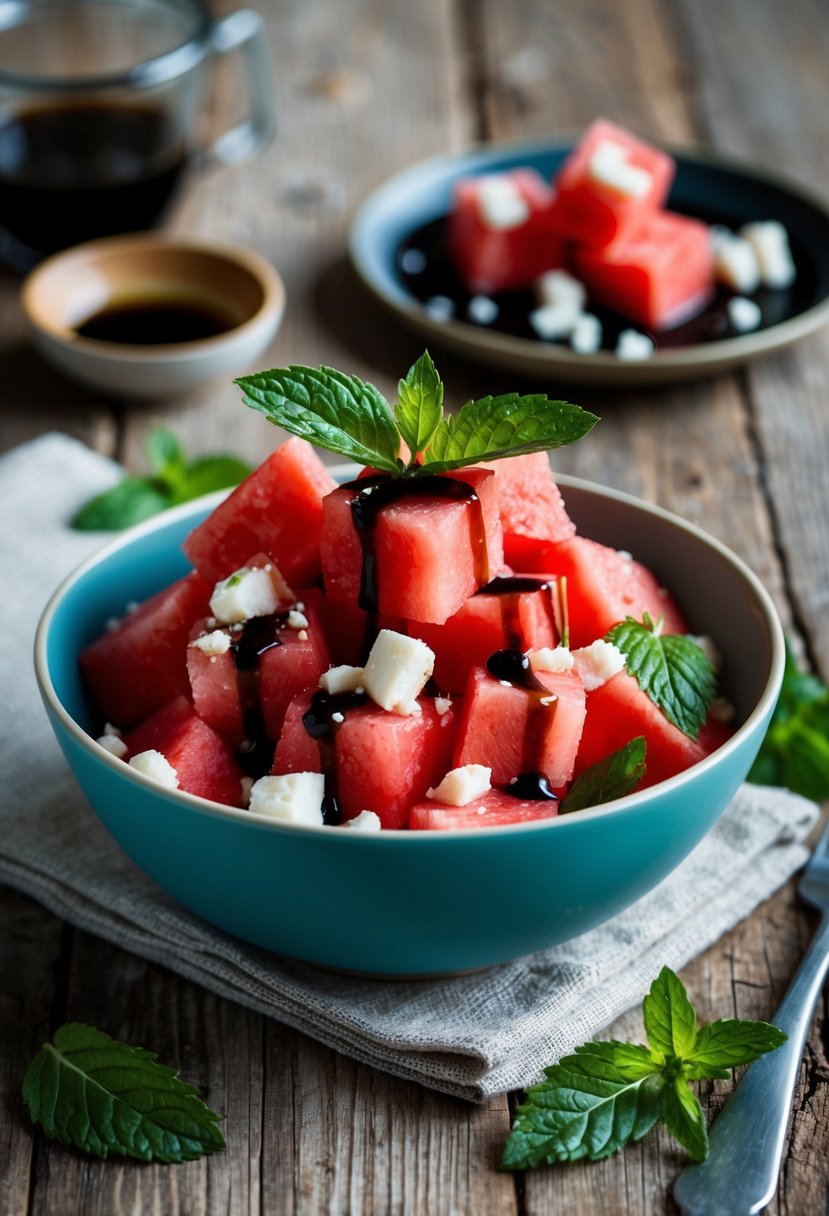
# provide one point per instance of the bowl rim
(260, 270)
(640, 799)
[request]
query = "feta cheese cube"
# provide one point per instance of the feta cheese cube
(289, 797)
(443, 705)
(553, 321)
(586, 335)
(735, 262)
(770, 242)
(113, 744)
(297, 620)
(397, 668)
(501, 205)
(366, 821)
(634, 345)
(155, 766)
(246, 593)
(548, 658)
(744, 315)
(342, 679)
(560, 287)
(610, 166)
(597, 663)
(482, 310)
(214, 643)
(462, 785)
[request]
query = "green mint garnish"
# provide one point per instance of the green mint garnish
(613, 777)
(172, 480)
(795, 751)
(351, 417)
(610, 1094)
(101, 1096)
(671, 669)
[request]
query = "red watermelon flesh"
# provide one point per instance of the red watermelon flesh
(604, 586)
(292, 667)
(202, 759)
(277, 509)
(429, 553)
(512, 731)
(380, 761)
(619, 711)
(658, 276)
(529, 501)
(594, 213)
(491, 259)
(514, 619)
(493, 809)
(214, 688)
(136, 668)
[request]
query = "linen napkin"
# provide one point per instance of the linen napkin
(472, 1036)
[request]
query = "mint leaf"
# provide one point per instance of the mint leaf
(795, 751)
(684, 1118)
(594, 1102)
(130, 502)
(101, 1096)
(612, 777)
(419, 409)
(509, 425)
(670, 1020)
(164, 454)
(340, 413)
(207, 474)
(728, 1043)
(671, 669)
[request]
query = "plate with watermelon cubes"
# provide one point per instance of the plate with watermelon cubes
(600, 259)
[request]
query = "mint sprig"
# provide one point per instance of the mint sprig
(611, 777)
(795, 751)
(349, 416)
(670, 668)
(100, 1096)
(610, 1094)
(172, 479)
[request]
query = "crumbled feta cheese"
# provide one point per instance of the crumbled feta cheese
(110, 729)
(553, 321)
(440, 308)
(300, 607)
(770, 242)
(303, 635)
(501, 205)
(366, 821)
(549, 658)
(246, 593)
(744, 315)
(297, 620)
(586, 335)
(735, 262)
(634, 345)
(397, 668)
(215, 643)
(210, 622)
(338, 717)
(341, 679)
(462, 785)
(155, 766)
(597, 663)
(560, 287)
(443, 705)
(708, 648)
(610, 165)
(482, 310)
(113, 744)
(247, 785)
(289, 797)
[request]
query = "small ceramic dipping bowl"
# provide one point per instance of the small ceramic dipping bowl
(152, 315)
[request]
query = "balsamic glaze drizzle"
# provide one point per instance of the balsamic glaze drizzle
(258, 635)
(531, 787)
(322, 725)
(509, 590)
(515, 668)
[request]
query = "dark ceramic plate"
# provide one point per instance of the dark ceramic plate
(408, 213)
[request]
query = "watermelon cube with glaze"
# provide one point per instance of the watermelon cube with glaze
(203, 761)
(414, 548)
(499, 233)
(495, 808)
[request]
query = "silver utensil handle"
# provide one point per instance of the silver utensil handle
(739, 1176)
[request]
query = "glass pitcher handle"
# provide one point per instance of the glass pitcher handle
(244, 31)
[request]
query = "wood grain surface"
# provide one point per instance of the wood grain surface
(365, 88)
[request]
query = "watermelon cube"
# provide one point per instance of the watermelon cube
(202, 759)
(373, 760)
(515, 730)
(657, 276)
(499, 233)
(606, 585)
(493, 809)
(619, 711)
(608, 185)
(293, 666)
(529, 503)
(277, 509)
(422, 548)
(140, 665)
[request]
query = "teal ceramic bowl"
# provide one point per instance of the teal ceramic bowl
(424, 903)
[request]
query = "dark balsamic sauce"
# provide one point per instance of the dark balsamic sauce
(515, 668)
(156, 321)
(259, 635)
(321, 725)
(531, 787)
(509, 589)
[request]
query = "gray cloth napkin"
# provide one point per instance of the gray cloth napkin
(473, 1036)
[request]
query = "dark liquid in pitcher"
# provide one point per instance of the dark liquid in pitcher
(70, 173)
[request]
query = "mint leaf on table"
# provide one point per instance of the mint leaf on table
(670, 668)
(341, 413)
(795, 751)
(100, 1096)
(610, 1094)
(172, 480)
(612, 777)
(419, 408)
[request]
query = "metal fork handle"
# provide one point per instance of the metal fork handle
(739, 1176)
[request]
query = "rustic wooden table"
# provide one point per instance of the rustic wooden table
(364, 90)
